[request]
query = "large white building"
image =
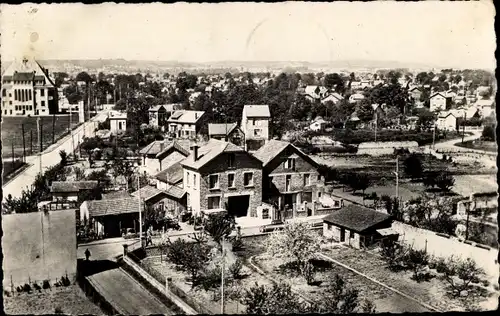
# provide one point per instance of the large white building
(27, 90)
(255, 125)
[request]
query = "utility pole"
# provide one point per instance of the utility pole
(463, 127)
(31, 142)
(40, 140)
(222, 279)
(467, 221)
(12, 148)
(434, 137)
(397, 178)
(53, 128)
(24, 144)
(140, 211)
(376, 124)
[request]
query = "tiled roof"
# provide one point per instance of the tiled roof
(72, 186)
(181, 146)
(270, 150)
(157, 147)
(176, 192)
(356, 218)
(173, 174)
(172, 107)
(221, 129)
(115, 195)
(146, 192)
(184, 116)
(155, 108)
(113, 206)
(256, 111)
(208, 152)
(23, 76)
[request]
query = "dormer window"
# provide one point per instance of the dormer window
(230, 160)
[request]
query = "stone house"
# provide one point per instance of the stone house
(161, 154)
(170, 181)
(446, 121)
(439, 102)
(358, 227)
(221, 176)
(157, 115)
(117, 122)
(71, 191)
(227, 132)
(291, 180)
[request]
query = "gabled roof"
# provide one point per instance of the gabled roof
(23, 76)
(356, 218)
(334, 95)
(173, 174)
(256, 111)
(147, 192)
(221, 129)
(439, 93)
(209, 152)
(185, 116)
(115, 195)
(156, 108)
(72, 186)
(176, 192)
(29, 65)
(485, 102)
(113, 206)
(274, 147)
(159, 148)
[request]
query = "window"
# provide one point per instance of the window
(213, 181)
(4, 92)
(213, 202)
(351, 234)
(187, 178)
(288, 182)
(307, 197)
(319, 177)
(30, 96)
(42, 93)
(230, 160)
(43, 103)
(265, 213)
(10, 102)
(290, 163)
(230, 180)
(307, 179)
(248, 179)
(319, 194)
(10, 112)
(253, 121)
(194, 180)
(257, 132)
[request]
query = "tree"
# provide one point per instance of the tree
(417, 260)
(425, 119)
(64, 157)
(430, 179)
(445, 181)
(26, 203)
(83, 76)
(334, 81)
(413, 166)
(394, 254)
(364, 110)
(191, 257)
(278, 299)
(338, 298)
(464, 270)
(296, 243)
(220, 226)
(357, 181)
(488, 133)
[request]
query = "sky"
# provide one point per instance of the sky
(446, 34)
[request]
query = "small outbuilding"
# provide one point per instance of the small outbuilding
(358, 227)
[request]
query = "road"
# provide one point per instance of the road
(50, 157)
(120, 289)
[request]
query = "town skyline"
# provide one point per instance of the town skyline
(247, 33)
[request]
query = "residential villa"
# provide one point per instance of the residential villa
(161, 154)
(255, 126)
(291, 180)
(318, 124)
(221, 176)
(117, 122)
(157, 115)
(439, 102)
(313, 93)
(170, 181)
(185, 124)
(27, 90)
(333, 97)
(67, 194)
(227, 132)
(446, 121)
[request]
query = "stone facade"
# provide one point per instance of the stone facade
(243, 163)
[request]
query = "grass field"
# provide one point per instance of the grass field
(12, 132)
(486, 146)
(9, 167)
(70, 300)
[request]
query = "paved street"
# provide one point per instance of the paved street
(120, 289)
(50, 157)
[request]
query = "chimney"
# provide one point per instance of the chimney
(194, 149)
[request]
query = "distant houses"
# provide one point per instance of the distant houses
(227, 132)
(117, 122)
(185, 124)
(439, 102)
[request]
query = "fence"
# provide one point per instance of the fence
(174, 289)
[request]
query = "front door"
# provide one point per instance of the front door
(342, 235)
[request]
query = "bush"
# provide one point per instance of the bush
(235, 269)
(27, 288)
(441, 265)
(46, 284)
(488, 133)
(65, 281)
(58, 310)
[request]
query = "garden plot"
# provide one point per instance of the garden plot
(209, 299)
(68, 300)
(432, 292)
(384, 299)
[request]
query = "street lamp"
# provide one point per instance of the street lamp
(397, 177)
